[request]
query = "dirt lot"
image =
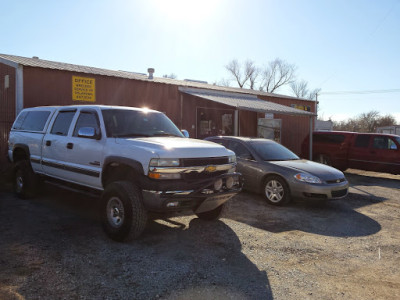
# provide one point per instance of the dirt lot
(52, 247)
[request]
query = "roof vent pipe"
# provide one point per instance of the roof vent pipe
(151, 72)
(35, 57)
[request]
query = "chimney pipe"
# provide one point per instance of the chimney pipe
(151, 72)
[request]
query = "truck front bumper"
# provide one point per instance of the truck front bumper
(198, 200)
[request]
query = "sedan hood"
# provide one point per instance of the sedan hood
(323, 172)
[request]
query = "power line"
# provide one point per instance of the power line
(361, 92)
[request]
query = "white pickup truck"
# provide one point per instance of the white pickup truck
(137, 159)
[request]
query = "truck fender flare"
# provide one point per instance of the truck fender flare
(24, 147)
(134, 164)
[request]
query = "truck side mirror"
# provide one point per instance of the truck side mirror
(88, 132)
(185, 133)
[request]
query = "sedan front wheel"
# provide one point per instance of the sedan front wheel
(276, 191)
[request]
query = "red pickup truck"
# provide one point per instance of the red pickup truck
(366, 151)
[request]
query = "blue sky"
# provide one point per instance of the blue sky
(336, 45)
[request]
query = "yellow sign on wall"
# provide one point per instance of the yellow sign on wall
(83, 89)
(301, 107)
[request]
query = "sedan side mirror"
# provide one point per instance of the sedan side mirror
(185, 133)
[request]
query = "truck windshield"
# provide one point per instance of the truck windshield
(136, 123)
(271, 151)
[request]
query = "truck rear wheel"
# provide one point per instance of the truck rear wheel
(210, 215)
(25, 180)
(123, 215)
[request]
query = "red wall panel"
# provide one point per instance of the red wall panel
(7, 108)
(54, 87)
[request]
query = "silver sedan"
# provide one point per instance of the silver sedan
(279, 174)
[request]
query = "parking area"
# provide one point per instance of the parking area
(53, 247)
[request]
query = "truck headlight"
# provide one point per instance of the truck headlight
(304, 177)
(156, 175)
(232, 159)
(164, 162)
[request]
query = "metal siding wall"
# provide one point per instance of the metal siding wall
(7, 109)
(294, 128)
(54, 87)
(248, 123)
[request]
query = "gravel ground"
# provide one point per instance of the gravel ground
(52, 247)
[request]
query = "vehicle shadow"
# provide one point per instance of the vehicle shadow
(336, 218)
(53, 247)
(203, 244)
(368, 179)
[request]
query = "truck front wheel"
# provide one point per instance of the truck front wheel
(214, 214)
(123, 214)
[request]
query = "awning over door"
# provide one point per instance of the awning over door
(244, 102)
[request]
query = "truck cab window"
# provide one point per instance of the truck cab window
(62, 122)
(383, 142)
(362, 141)
(87, 119)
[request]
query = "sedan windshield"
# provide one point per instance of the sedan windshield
(136, 123)
(272, 151)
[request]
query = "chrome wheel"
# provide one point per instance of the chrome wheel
(19, 184)
(115, 212)
(274, 191)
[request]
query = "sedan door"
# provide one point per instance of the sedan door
(247, 165)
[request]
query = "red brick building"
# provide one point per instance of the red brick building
(202, 109)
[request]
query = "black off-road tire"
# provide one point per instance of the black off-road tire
(25, 182)
(211, 215)
(276, 191)
(123, 214)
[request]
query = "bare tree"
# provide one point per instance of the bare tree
(368, 121)
(277, 74)
(223, 82)
(387, 120)
(247, 72)
(312, 95)
(300, 90)
(365, 122)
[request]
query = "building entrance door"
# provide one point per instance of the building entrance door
(212, 121)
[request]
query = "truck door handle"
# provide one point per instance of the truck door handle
(48, 143)
(70, 145)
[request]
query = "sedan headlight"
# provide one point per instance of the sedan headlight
(164, 162)
(304, 177)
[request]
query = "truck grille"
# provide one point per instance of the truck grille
(203, 175)
(204, 161)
